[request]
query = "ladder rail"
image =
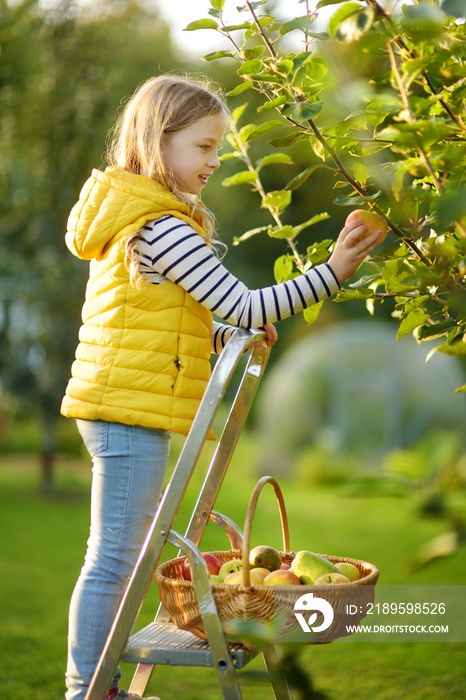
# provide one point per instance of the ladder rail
(168, 509)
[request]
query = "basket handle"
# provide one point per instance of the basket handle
(248, 523)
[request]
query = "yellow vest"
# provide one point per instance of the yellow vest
(143, 355)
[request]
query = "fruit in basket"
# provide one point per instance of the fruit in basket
(373, 221)
(213, 565)
(265, 557)
(236, 578)
(285, 565)
(229, 567)
(261, 571)
(309, 566)
(282, 577)
(331, 578)
(349, 570)
(214, 578)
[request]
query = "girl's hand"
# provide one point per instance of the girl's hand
(349, 253)
(271, 337)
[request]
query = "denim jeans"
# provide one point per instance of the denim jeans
(129, 466)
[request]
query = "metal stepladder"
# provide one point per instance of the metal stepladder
(161, 642)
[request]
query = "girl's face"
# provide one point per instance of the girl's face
(192, 153)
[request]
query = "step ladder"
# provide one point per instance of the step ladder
(161, 642)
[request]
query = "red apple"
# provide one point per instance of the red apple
(282, 577)
(373, 221)
(236, 578)
(285, 565)
(331, 579)
(212, 562)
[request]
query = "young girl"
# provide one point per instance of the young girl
(142, 363)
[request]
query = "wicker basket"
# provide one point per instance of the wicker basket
(266, 604)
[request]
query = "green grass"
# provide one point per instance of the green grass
(43, 543)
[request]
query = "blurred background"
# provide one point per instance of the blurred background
(344, 410)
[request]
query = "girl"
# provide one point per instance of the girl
(142, 363)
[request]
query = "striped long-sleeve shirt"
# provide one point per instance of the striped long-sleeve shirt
(170, 249)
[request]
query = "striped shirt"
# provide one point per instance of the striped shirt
(170, 249)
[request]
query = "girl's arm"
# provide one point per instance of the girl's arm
(171, 249)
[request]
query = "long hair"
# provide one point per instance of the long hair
(160, 106)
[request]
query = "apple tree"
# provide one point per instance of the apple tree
(378, 100)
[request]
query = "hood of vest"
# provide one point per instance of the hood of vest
(115, 204)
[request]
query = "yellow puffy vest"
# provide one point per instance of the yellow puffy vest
(143, 355)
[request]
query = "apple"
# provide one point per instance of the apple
(229, 567)
(213, 565)
(215, 578)
(261, 572)
(282, 577)
(331, 578)
(309, 566)
(285, 565)
(373, 221)
(349, 570)
(236, 578)
(265, 557)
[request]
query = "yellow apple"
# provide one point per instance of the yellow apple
(373, 221)
(261, 572)
(349, 570)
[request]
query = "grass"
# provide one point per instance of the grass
(43, 543)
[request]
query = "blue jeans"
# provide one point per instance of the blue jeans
(129, 466)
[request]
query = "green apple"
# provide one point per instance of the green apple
(229, 567)
(282, 577)
(349, 570)
(214, 578)
(309, 566)
(265, 557)
(331, 578)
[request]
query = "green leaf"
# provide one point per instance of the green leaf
(245, 176)
(316, 219)
(284, 232)
(354, 294)
(284, 66)
(287, 140)
(264, 128)
(242, 87)
(273, 158)
(249, 234)
(458, 348)
(217, 54)
(311, 314)
(340, 15)
(278, 199)
(302, 111)
(201, 24)
(280, 100)
(238, 112)
(217, 4)
(249, 67)
(412, 321)
(454, 8)
(356, 25)
(423, 22)
(302, 23)
(283, 268)
(302, 177)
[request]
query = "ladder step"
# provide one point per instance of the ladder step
(163, 643)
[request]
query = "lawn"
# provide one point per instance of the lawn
(43, 544)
